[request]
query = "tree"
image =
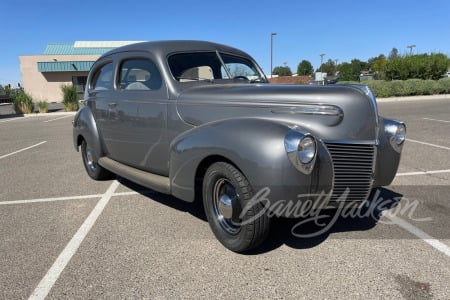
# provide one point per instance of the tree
(371, 61)
(422, 66)
(394, 53)
(305, 68)
(357, 67)
(379, 67)
(282, 71)
(345, 72)
(329, 67)
(2, 90)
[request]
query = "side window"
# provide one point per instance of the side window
(139, 74)
(103, 78)
(238, 69)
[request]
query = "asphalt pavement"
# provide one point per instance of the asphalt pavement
(65, 236)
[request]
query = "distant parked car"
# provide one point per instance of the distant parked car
(332, 80)
(199, 120)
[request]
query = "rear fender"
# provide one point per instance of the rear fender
(85, 127)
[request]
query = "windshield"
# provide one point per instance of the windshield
(212, 66)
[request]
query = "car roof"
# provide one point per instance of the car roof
(164, 48)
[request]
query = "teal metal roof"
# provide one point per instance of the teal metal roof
(69, 49)
(64, 66)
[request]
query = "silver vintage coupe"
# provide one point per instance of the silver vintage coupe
(199, 120)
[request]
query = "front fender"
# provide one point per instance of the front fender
(388, 158)
(255, 146)
(84, 126)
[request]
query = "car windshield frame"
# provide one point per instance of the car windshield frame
(214, 67)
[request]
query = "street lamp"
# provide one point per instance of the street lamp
(410, 48)
(336, 66)
(321, 61)
(271, 52)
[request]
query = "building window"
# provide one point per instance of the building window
(79, 82)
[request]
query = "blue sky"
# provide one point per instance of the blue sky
(342, 30)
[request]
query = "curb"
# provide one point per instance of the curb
(415, 98)
(66, 113)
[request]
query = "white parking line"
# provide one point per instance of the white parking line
(58, 118)
(46, 284)
(423, 172)
(50, 199)
(428, 144)
(18, 151)
(437, 120)
(418, 233)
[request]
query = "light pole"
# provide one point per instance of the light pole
(410, 48)
(272, 34)
(336, 66)
(321, 61)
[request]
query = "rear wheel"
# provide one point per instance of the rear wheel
(94, 170)
(237, 222)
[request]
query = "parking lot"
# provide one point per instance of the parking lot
(64, 235)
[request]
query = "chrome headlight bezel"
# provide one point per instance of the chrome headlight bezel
(396, 132)
(301, 149)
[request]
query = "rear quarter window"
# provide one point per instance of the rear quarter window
(103, 78)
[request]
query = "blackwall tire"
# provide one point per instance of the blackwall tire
(94, 170)
(226, 193)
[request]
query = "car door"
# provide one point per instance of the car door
(100, 98)
(138, 114)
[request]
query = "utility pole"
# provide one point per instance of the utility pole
(321, 61)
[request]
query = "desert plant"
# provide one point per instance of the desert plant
(70, 100)
(43, 106)
(23, 103)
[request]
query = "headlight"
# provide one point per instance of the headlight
(400, 134)
(396, 132)
(307, 150)
(301, 150)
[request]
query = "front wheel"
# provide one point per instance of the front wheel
(94, 170)
(237, 220)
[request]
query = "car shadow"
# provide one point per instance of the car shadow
(195, 208)
(299, 233)
(11, 116)
(309, 232)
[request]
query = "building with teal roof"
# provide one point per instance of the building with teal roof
(61, 64)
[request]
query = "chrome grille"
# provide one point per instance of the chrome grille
(353, 169)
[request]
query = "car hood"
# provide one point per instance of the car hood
(331, 112)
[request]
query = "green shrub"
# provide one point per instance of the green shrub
(425, 87)
(443, 86)
(410, 87)
(23, 103)
(43, 106)
(397, 88)
(70, 97)
(380, 88)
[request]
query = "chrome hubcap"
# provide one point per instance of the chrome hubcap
(226, 205)
(90, 160)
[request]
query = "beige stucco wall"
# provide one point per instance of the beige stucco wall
(47, 86)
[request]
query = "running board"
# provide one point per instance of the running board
(152, 181)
